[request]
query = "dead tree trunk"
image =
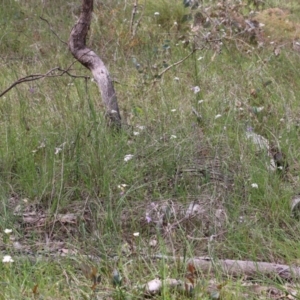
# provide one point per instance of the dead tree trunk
(88, 58)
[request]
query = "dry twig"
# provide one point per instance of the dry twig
(48, 74)
(177, 63)
(50, 27)
(134, 10)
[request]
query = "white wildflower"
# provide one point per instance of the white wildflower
(153, 243)
(260, 108)
(140, 127)
(254, 185)
(173, 137)
(128, 157)
(42, 145)
(212, 237)
(200, 58)
(121, 186)
(176, 78)
(8, 231)
(136, 234)
(195, 89)
(218, 116)
(173, 110)
(156, 13)
(7, 259)
(200, 101)
(57, 150)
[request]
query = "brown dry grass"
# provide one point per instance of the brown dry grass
(278, 25)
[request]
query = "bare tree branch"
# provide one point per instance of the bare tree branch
(48, 74)
(137, 23)
(177, 63)
(50, 27)
(134, 10)
(88, 58)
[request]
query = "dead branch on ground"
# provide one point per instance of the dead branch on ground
(238, 268)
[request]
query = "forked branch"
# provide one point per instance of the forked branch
(50, 73)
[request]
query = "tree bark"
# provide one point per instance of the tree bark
(88, 58)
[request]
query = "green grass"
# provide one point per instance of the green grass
(59, 158)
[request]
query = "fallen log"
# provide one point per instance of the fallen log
(243, 267)
(238, 268)
(202, 265)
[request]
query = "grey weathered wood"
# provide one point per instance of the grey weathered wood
(88, 58)
(228, 267)
(248, 268)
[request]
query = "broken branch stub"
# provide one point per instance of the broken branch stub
(88, 58)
